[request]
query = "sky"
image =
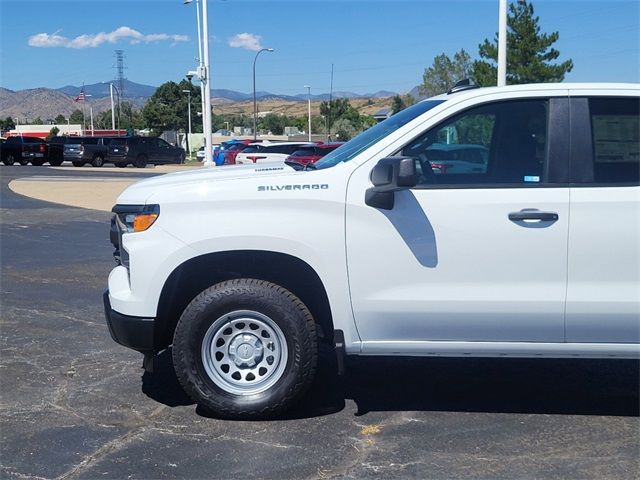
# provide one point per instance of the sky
(373, 45)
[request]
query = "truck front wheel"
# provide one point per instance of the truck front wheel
(245, 349)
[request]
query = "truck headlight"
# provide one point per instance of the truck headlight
(136, 218)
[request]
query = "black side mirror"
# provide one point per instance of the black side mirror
(390, 175)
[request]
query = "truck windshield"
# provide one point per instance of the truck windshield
(367, 138)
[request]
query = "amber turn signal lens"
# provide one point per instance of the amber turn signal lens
(143, 221)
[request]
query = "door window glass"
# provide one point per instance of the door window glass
(499, 143)
(163, 144)
(616, 144)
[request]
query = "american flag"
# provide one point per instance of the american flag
(80, 98)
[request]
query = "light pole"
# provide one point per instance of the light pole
(502, 44)
(188, 92)
(112, 87)
(203, 75)
(308, 87)
(255, 105)
(90, 112)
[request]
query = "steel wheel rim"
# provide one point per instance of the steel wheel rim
(244, 352)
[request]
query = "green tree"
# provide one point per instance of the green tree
(130, 118)
(529, 53)
(52, 133)
(168, 106)
(274, 123)
(37, 121)
(76, 116)
(60, 119)
(341, 109)
(401, 102)
(445, 72)
(318, 124)
(7, 124)
(344, 129)
(103, 120)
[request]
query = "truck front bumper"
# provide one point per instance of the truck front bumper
(132, 332)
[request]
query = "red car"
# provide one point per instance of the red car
(233, 150)
(313, 153)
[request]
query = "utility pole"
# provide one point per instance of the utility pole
(120, 71)
(206, 79)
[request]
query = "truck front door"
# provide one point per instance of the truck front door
(477, 251)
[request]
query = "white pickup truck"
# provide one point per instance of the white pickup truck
(483, 222)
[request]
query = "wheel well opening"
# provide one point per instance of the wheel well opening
(199, 273)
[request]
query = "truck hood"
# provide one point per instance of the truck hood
(140, 191)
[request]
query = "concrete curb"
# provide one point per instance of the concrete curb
(94, 192)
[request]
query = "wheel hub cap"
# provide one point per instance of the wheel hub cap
(246, 350)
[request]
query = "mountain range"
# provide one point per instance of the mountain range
(47, 103)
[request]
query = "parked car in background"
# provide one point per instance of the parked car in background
(141, 151)
(226, 152)
(452, 158)
(24, 150)
(231, 153)
(200, 152)
(312, 153)
(83, 150)
(56, 148)
(269, 151)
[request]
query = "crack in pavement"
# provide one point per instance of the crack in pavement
(109, 447)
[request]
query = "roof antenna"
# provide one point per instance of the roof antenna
(464, 84)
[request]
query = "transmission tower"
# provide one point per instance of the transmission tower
(119, 54)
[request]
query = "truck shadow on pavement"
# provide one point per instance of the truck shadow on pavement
(490, 385)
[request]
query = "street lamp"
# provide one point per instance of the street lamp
(255, 105)
(203, 75)
(308, 87)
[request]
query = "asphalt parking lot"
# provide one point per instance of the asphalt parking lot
(73, 404)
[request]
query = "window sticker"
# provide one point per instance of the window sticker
(531, 178)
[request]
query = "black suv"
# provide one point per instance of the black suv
(141, 151)
(78, 150)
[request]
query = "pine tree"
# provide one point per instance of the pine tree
(445, 72)
(529, 52)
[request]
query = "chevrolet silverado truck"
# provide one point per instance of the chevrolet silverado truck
(23, 150)
(242, 271)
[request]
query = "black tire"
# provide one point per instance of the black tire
(24, 161)
(36, 163)
(9, 160)
(226, 309)
(97, 161)
(55, 163)
(140, 161)
(121, 165)
(78, 164)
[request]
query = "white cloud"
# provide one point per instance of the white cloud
(248, 41)
(93, 40)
